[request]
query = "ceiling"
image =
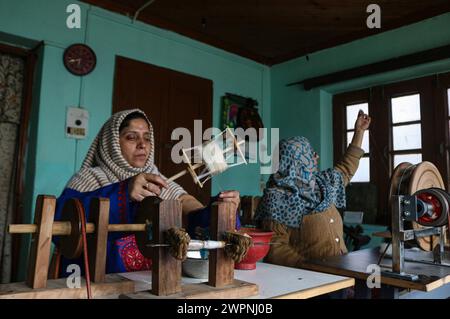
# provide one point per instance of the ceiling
(273, 31)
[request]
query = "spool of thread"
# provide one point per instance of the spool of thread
(213, 158)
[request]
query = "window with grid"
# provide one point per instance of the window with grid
(406, 128)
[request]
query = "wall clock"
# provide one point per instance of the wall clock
(79, 59)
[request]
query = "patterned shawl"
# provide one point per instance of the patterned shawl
(298, 188)
(105, 165)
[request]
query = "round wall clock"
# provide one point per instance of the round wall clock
(79, 59)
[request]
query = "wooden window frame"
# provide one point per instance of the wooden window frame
(340, 103)
(441, 86)
(422, 86)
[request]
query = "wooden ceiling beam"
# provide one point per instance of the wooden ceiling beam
(401, 62)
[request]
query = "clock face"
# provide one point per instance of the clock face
(79, 59)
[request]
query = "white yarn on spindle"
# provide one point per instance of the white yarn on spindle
(213, 158)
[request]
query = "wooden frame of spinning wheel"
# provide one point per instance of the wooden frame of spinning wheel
(166, 270)
(192, 167)
(37, 285)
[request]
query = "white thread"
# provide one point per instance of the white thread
(213, 157)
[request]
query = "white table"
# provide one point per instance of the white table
(274, 281)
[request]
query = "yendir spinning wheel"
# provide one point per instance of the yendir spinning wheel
(165, 232)
(212, 157)
(71, 245)
(424, 181)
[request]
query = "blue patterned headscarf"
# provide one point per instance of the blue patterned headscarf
(298, 188)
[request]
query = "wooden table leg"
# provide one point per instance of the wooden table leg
(389, 292)
(361, 290)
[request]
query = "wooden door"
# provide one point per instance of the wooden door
(16, 80)
(170, 99)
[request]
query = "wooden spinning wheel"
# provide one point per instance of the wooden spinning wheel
(71, 245)
(409, 179)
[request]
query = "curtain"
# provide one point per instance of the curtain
(11, 87)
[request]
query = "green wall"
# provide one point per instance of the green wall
(110, 35)
(52, 158)
(309, 113)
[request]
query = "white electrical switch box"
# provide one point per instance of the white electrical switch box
(77, 123)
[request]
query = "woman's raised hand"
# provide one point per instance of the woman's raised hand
(362, 122)
(144, 185)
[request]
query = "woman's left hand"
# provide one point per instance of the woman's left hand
(230, 196)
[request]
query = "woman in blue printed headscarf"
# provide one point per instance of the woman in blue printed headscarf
(300, 202)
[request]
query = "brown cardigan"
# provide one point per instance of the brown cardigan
(320, 234)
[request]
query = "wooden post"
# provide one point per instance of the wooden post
(166, 270)
(221, 267)
(99, 215)
(41, 242)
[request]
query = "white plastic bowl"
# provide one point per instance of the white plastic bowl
(196, 268)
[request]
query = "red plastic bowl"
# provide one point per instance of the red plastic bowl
(256, 252)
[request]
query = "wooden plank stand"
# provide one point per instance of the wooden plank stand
(166, 270)
(37, 285)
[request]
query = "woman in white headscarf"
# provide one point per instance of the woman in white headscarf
(120, 166)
